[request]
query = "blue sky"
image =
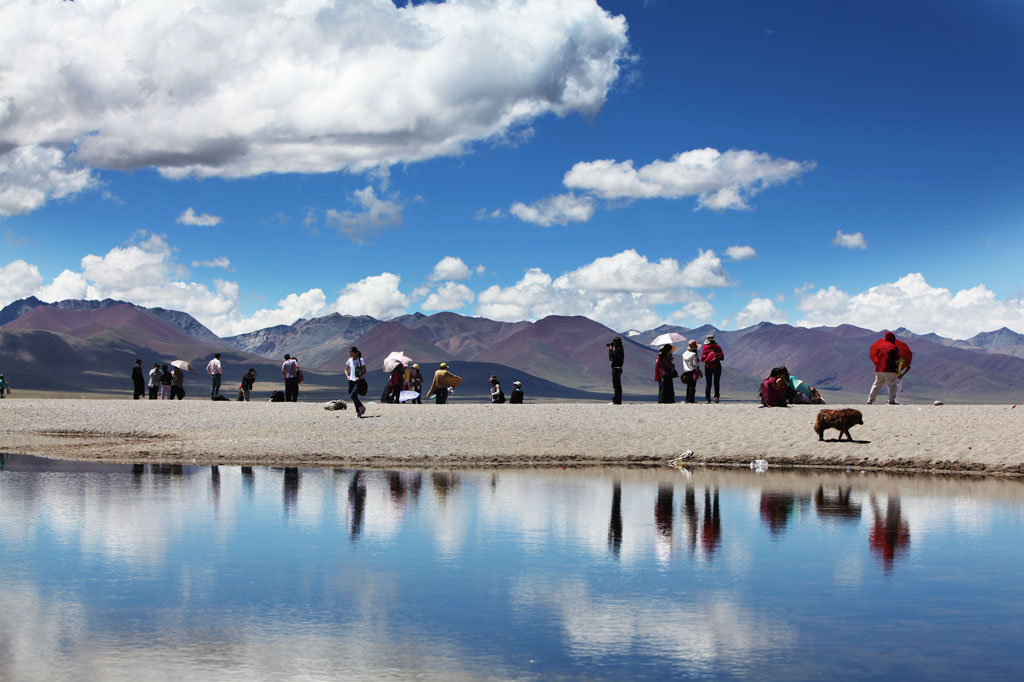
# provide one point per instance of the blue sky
(635, 162)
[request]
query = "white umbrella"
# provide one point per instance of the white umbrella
(670, 337)
(395, 359)
(181, 364)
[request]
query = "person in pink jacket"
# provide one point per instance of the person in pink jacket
(711, 355)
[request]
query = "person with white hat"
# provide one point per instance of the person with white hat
(516, 397)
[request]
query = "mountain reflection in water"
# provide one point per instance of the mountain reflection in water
(277, 573)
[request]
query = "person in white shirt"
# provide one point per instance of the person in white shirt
(355, 371)
(154, 380)
(689, 373)
(214, 370)
(290, 372)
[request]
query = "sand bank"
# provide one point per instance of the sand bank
(973, 438)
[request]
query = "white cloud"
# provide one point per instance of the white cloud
(449, 296)
(67, 285)
(619, 291)
(375, 214)
(740, 252)
(759, 310)
(719, 180)
(18, 280)
(292, 307)
(106, 81)
(561, 210)
(189, 217)
(31, 174)
(693, 314)
(450, 268)
(913, 303)
(480, 269)
(377, 296)
(222, 262)
(850, 241)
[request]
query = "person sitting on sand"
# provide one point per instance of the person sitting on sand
(773, 389)
(516, 398)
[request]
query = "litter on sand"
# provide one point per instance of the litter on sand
(759, 465)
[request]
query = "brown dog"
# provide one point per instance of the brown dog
(840, 420)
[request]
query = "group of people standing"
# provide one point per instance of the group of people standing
(665, 372)
(163, 382)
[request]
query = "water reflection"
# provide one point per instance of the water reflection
(595, 573)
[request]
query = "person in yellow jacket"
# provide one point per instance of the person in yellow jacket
(443, 382)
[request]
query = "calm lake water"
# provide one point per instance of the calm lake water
(115, 572)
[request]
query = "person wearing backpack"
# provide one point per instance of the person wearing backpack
(355, 372)
(290, 372)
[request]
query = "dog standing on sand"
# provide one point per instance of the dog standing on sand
(841, 420)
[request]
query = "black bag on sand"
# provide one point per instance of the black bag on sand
(221, 397)
(277, 397)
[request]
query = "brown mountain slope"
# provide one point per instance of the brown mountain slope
(381, 340)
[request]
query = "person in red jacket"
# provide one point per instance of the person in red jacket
(885, 355)
(711, 355)
(664, 373)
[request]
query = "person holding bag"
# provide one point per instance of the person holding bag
(355, 371)
(691, 371)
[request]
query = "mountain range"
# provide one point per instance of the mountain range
(89, 346)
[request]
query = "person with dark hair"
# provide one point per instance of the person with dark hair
(138, 380)
(177, 384)
(154, 380)
(616, 355)
(355, 372)
(213, 368)
(248, 379)
(5, 388)
(416, 383)
(165, 383)
(290, 372)
(774, 387)
(516, 397)
(711, 355)
(497, 395)
(885, 355)
(664, 373)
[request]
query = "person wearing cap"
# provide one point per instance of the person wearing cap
(416, 383)
(443, 382)
(691, 370)
(711, 355)
(516, 397)
(664, 373)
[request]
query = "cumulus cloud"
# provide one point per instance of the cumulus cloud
(451, 268)
(67, 285)
(693, 314)
(850, 241)
(449, 296)
(759, 310)
(719, 180)
(377, 296)
(913, 303)
(31, 174)
(374, 214)
(740, 252)
(619, 291)
(108, 85)
(18, 279)
(189, 217)
(557, 210)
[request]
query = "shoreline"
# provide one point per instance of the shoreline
(957, 439)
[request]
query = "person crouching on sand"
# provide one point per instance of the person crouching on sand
(497, 395)
(516, 398)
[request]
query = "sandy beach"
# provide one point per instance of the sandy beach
(976, 438)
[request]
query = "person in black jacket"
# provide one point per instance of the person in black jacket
(616, 356)
(516, 398)
(138, 380)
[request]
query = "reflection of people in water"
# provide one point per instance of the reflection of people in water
(890, 534)
(615, 523)
(839, 507)
(444, 483)
(690, 513)
(776, 508)
(711, 529)
(215, 485)
(291, 488)
(356, 505)
(663, 521)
